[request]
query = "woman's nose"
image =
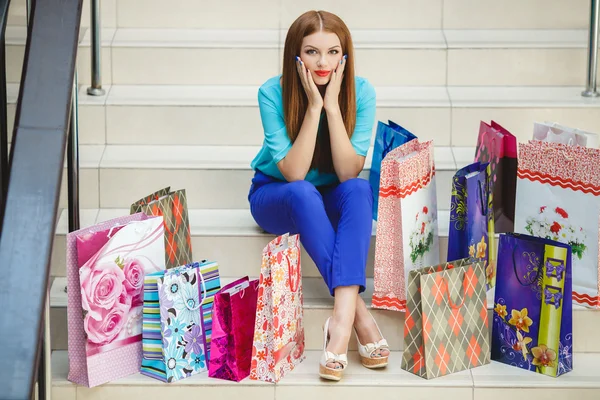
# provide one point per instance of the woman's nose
(322, 61)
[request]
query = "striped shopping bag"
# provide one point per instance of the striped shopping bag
(158, 323)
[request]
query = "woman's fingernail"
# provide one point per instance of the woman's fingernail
(297, 58)
(345, 56)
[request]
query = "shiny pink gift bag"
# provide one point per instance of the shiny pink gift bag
(234, 315)
(104, 332)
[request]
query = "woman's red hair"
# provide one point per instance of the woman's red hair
(295, 101)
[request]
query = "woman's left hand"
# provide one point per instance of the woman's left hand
(332, 94)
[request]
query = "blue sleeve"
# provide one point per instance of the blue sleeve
(365, 118)
(271, 114)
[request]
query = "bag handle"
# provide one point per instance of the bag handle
(537, 277)
(464, 297)
(293, 272)
(493, 147)
(485, 207)
(202, 297)
(387, 146)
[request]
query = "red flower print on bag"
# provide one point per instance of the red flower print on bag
(561, 212)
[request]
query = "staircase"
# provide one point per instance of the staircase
(180, 110)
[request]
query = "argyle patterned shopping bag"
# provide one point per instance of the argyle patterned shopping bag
(446, 327)
(533, 312)
(173, 207)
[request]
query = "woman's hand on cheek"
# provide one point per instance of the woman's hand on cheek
(332, 93)
(315, 101)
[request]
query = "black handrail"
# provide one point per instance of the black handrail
(4, 4)
(36, 166)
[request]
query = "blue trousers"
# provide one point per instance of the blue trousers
(334, 222)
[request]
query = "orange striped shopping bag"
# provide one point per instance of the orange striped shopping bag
(558, 198)
(407, 226)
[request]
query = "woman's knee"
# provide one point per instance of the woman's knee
(302, 192)
(357, 186)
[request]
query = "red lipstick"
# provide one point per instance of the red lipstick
(322, 73)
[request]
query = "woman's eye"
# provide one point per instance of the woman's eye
(333, 52)
(311, 52)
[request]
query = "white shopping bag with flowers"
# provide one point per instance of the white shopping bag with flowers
(558, 198)
(407, 225)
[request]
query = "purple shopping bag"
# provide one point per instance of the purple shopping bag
(533, 311)
(234, 316)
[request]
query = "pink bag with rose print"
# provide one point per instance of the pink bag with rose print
(106, 265)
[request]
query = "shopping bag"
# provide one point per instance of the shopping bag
(278, 343)
(446, 329)
(173, 207)
(532, 324)
(177, 320)
(387, 137)
(558, 198)
(234, 316)
(554, 133)
(471, 232)
(104, 288)
(407, 230)
(498, 147)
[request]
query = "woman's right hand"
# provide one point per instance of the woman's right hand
(315, 100)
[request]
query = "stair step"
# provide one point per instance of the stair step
(215, 233)
(236, 14)
(219, 115)
(494, 381)
(215, 177)
(318, 305)
(426, 57)
(194, 114)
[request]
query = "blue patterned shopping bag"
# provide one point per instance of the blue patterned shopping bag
(533, 311)
(388, 137)
(177, 320)
(471, 231)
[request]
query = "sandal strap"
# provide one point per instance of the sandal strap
(336, 358)
(373, 347)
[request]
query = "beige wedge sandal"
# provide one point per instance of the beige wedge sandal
(367, 351)
(327, 357)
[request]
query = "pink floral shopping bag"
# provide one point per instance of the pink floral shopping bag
(106, 265)
(278, 330)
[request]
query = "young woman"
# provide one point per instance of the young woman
(318, 119)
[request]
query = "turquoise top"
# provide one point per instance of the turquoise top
(277, 142)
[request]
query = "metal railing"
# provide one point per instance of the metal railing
(95, 50)
(592, 64)
(4, 151)
(34, 174)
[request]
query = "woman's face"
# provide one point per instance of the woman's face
(321, 53)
